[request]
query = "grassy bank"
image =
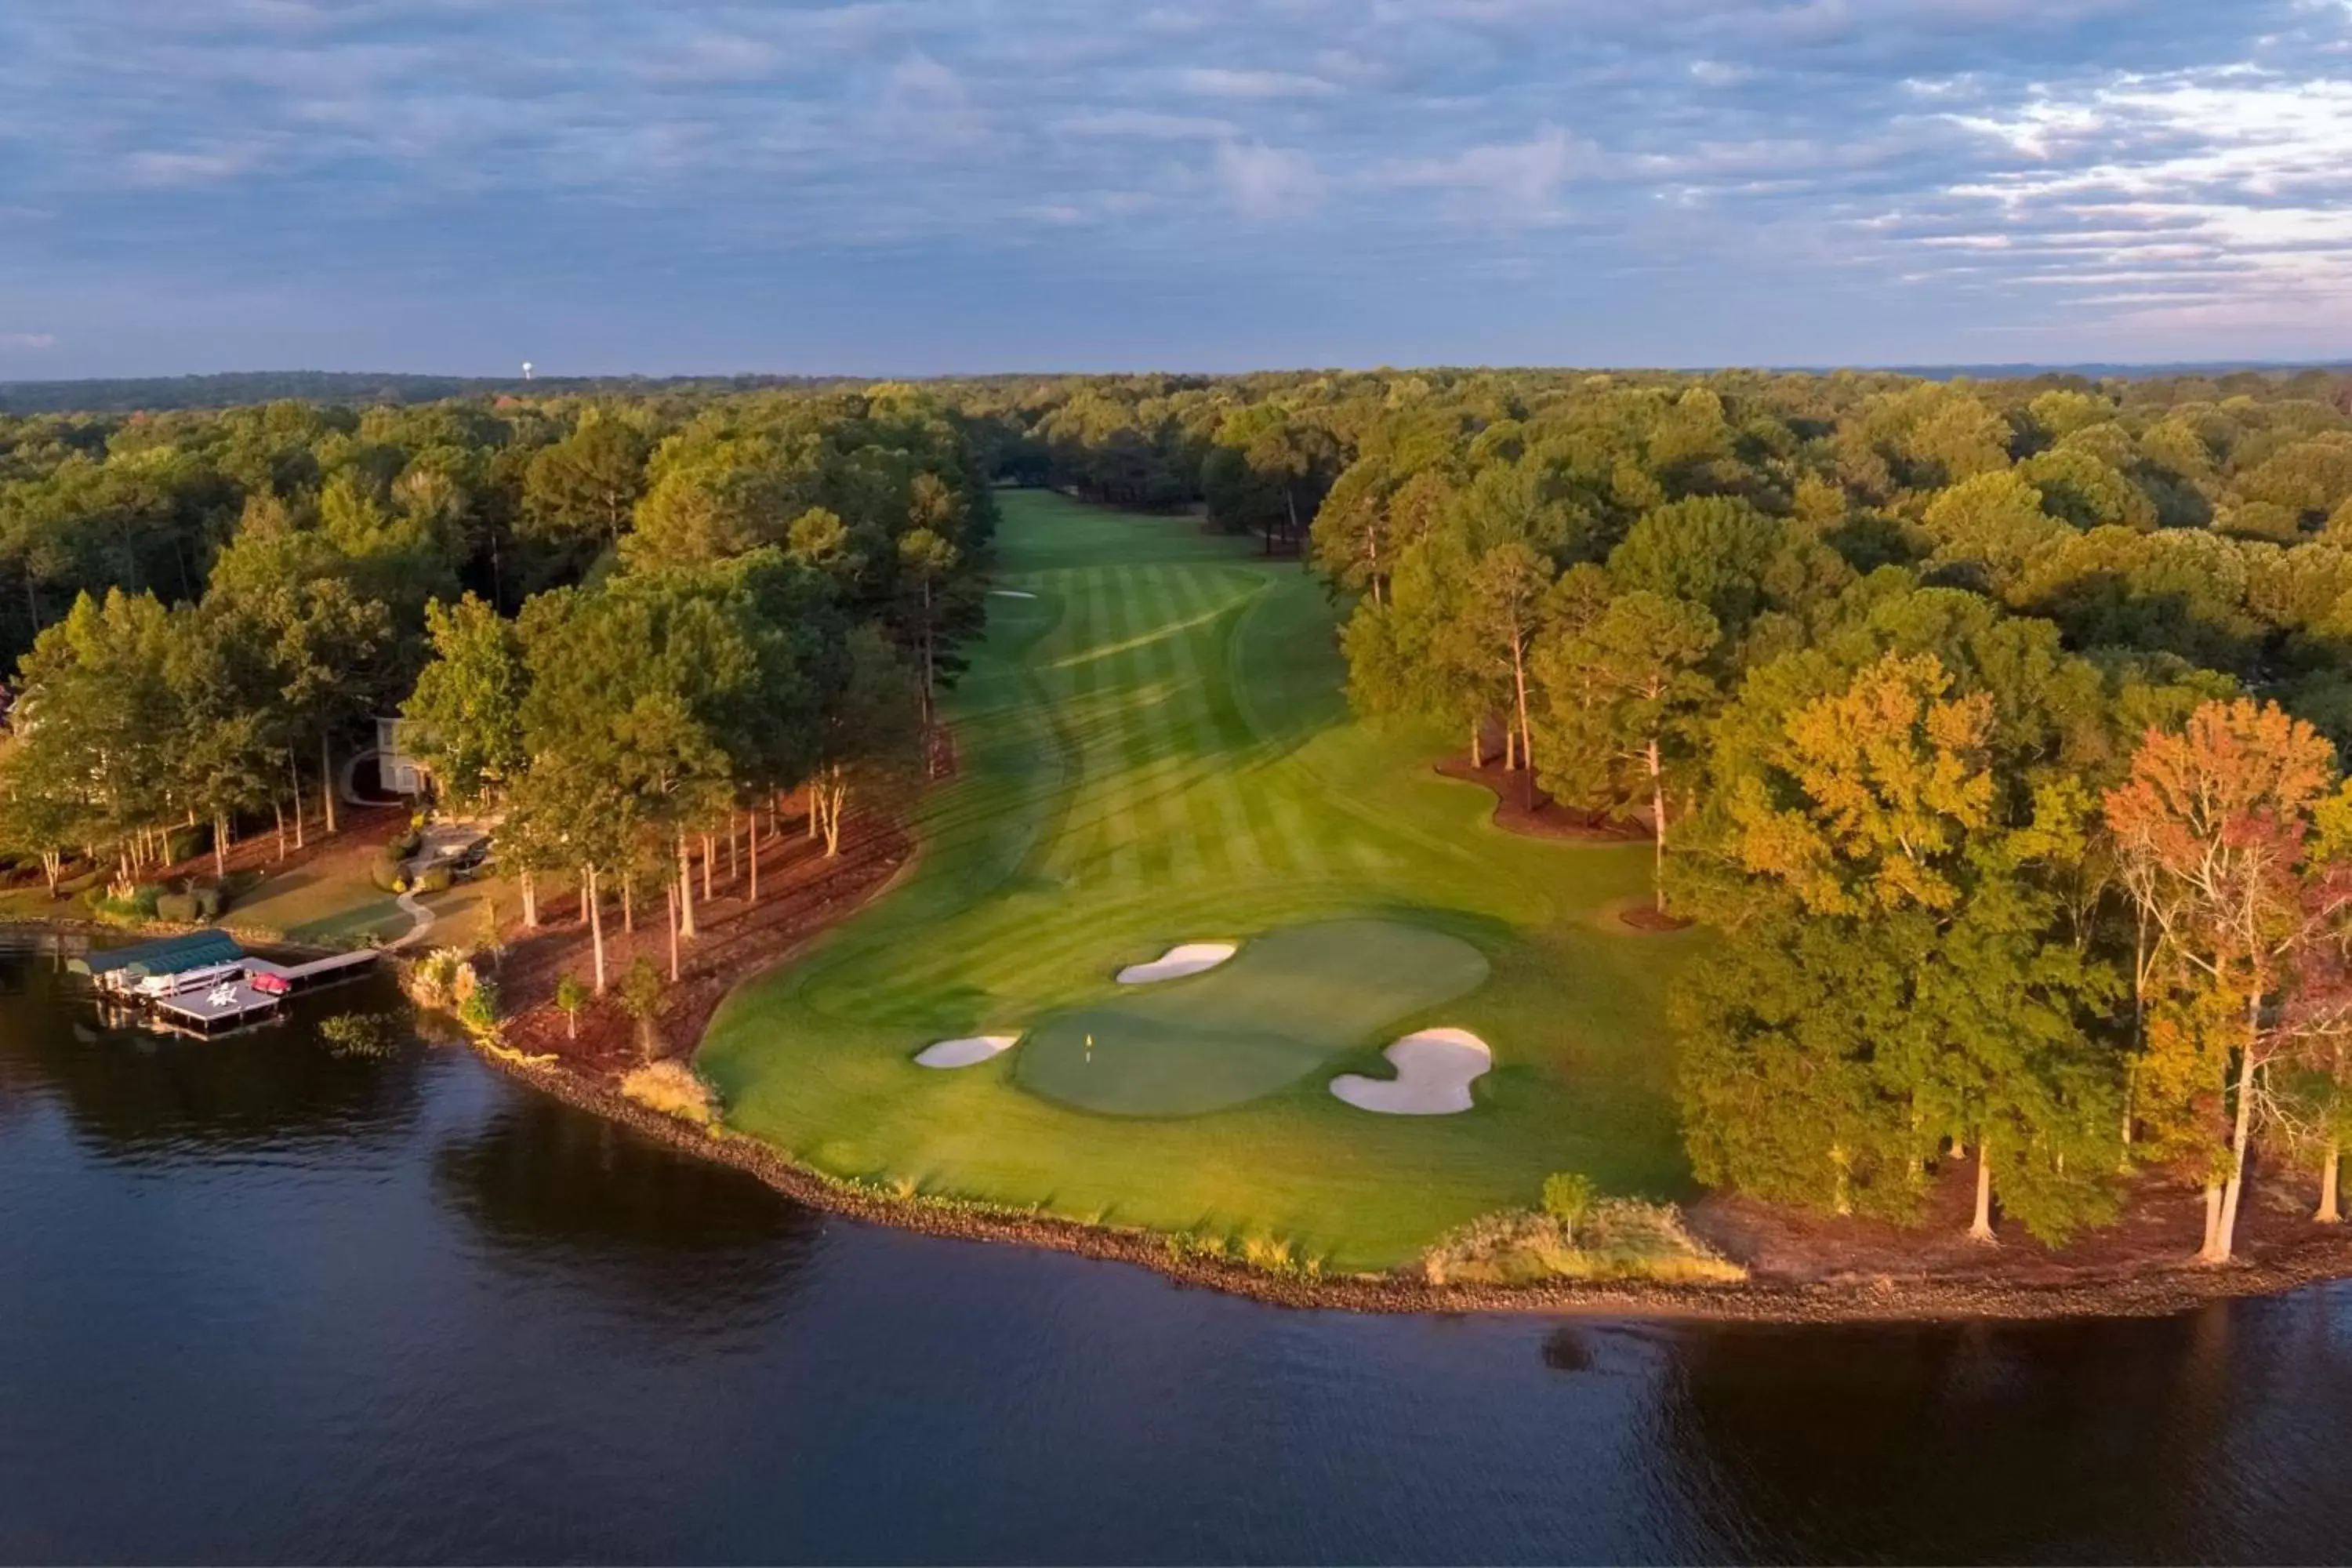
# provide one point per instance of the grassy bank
(1156, 750)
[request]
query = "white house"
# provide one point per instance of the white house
(400, 773)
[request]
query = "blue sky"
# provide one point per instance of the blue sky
(914, 186)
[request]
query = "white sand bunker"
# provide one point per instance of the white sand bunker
(1186, 958)
(1435, 1069)
(1011, 594)
(965, 1053)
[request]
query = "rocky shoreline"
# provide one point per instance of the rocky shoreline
(1879, 1298)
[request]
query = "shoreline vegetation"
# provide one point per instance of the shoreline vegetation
(1919, 821)
(1872, 1298)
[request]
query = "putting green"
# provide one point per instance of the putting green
(1155, 750)
(1289, 1002)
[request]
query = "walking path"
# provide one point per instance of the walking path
(415, 912)
(442, 842)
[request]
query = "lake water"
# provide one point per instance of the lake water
(258, 1302)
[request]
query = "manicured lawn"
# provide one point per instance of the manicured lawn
(1156, 750)
(330, 901)
(1290, 1001)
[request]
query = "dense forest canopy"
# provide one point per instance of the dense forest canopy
(1993, 726)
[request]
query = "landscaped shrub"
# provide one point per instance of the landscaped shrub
(139, 906)
(433, 879)
(442, 978)
(178, 908)
(641, 998)
(478, 1008)
(211, 898)
(183, 843)
(672, 1089)
(1275, 1255)
(1569, 1198)
(1618, 1238)
(384, 869)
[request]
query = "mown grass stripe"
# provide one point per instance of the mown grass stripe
(1148, 739)
(1174, 746)
(1204, 758)
(1076, 676)
(1123, 615)
(1220, 803)
(1246, 775)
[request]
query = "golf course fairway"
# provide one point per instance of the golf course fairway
(1156, 750)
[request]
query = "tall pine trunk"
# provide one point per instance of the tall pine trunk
(1980, 1228)
(684, 889)
(2331, 1182)
(530, 901)
(1657, 827)
(672, 923)
(1527, 730)
(595, 923)
(928, 658)
(707, 859)
(220, 844)
(294, 773)
(327, 779)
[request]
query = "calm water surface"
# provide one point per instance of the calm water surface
(257, 1302)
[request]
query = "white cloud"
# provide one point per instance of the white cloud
(1267, 182)
(1145, 125)
(1253, 85)
(26, 343)
(711, 58)
(212, 166)
(2159, 172)
(1521, 179)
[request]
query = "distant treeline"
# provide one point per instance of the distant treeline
(227, 389)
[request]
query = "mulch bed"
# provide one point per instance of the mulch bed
(1648, 916)
(802, 891)
(1521, 808)
(2151, 1246)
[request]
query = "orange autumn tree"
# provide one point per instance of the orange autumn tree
(2217, 828)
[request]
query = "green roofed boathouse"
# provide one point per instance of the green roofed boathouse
(123, 968)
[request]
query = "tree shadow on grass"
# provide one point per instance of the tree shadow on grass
(1485, 932)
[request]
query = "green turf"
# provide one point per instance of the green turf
(1156, 750)
(1282, 1006)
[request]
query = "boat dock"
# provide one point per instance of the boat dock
(316, 972)
(204, 984)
